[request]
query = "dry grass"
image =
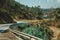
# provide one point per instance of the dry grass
(56, 32)
(8, 36)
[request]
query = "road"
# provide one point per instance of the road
(4, 26)
(7, 26)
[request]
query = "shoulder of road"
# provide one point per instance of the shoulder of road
(8, 36)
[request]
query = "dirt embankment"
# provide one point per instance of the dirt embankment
(56, 32)
(8, 36)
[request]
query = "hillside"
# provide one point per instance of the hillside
(10, 11)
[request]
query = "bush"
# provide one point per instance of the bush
(23, 25)
(43, 24)
(44, 33)
(58, 37)
(19, 26)
(58, 26)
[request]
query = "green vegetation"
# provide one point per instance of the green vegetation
(20, 26)
(57, 14)
(44, 24)
(44, 33)
(58, 37)
(23, 26)
(13, 9)
(58, 26)
(10, 9)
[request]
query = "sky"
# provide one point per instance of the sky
(41, 3)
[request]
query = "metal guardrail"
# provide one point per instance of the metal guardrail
(27, 36)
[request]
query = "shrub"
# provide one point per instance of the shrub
(58, 26)
(44, 33)
(58, 37)
(19, 26)
(43, 24)
(23, 25)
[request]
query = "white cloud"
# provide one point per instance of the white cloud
(50, 0)
(58, 0)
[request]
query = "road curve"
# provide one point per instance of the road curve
(7, 26)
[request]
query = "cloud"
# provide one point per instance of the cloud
(58, 1)
(50, 0)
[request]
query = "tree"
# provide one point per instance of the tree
(57, 14)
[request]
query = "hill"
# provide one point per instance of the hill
(10, 11)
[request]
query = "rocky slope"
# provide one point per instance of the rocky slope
(11, 10)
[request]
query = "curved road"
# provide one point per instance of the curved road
(7, 26)
(4, 26)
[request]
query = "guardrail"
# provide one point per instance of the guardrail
(24, 35)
